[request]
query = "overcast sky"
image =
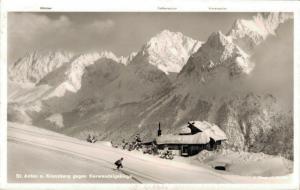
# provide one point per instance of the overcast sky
(121, 33)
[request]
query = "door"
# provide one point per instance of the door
(184, 150)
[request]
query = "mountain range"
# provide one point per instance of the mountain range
(172, 79)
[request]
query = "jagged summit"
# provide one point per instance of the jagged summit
(249, 33)
(34, 66)
(127, 59)
(217, 51)
(168, 51)
(273, 20)
(232, 51)
(169, 37)
(218, 39)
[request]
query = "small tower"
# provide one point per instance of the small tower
(158, 131)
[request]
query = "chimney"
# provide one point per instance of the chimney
(158, 131)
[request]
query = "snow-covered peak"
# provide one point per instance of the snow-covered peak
(218, 40)
(127, 59)
(46, 68)
(217, 51)
(34, 66)
(249, 33)
(78, 65)
(107, 54)
(168, 51)
(272, 20)
(165, 35)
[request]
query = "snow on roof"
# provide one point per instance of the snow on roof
(183, 130)
(198, 138)
(201, 125)
(215, 133)
(208, 131)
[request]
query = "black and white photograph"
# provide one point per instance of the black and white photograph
(150, 97)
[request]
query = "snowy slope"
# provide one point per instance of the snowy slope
(217, 52)
(142, 168)
(145, 76)
(41, 67)
(24, 93)
(34, 66)
(93, 78)
(59, 91)
(136, 165)
(245, 163)
(167, 51)
(59, 80)
(71, 78)
(60, 167)
(216, 86)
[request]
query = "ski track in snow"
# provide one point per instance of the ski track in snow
(41, 162)
(141, 168)
(62, 138)
(104, 163)
(146, 168)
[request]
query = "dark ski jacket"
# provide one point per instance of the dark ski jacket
(118, 162)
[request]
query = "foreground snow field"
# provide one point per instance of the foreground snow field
(36, 151)
(39, 161)
(246, 163)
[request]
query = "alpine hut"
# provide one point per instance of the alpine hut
(192, 138)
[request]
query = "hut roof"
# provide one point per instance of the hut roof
(201, 125)
(208, 131)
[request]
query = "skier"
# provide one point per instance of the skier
(118, 163)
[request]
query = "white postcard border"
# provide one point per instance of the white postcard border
(146, 6)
